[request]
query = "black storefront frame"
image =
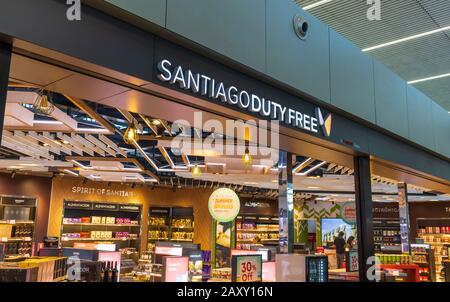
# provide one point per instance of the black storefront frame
(91, 41)
(5, 62)
(147, 49)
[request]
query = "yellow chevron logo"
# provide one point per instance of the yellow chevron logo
(326, 124)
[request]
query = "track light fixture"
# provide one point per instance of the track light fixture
(131, 134)
(43, 103)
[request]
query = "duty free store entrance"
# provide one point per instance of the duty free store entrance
(143, 101)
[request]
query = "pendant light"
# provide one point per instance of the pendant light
(247, 158)
(131, 134)
(43, 103)
(196, 172)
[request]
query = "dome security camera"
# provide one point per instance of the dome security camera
(301, 27)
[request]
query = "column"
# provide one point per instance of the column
(364, 217)
(285, 202)
(403, 210)
(5, 61)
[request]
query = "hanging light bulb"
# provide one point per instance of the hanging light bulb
(43, 104)
(131, 134)
(196, 172)
(247, 158)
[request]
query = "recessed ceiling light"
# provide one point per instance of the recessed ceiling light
(156, 122)
(70, 172)
(47, 122)
(29, 165)
(407, 38)
(430, 78)
(65, 142)
(316, 4)
(95, 130)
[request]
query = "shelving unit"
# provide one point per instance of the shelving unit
(249, 226)
(423, 256)
(101, 222)
(387, 235)
(17, 224)
(438, 237)
(170, 224)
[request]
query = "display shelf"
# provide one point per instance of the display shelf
(99, 239)
(113, 222)
(171, 224)
(257, 231)
(17, 224)
(102, 224)
(15, 239)
(14, 222)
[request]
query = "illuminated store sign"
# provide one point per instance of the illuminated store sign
(217, 90)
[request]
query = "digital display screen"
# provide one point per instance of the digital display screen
(332, 226)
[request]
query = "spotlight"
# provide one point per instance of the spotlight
(131, 134)
(13, 174)
(196, 172)
(247, 158)
(133, 186)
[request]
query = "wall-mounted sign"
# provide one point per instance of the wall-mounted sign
(385, 210)
(78, 205)
(224, 205)
(18, 201)
(348, 212)
(207, 86)
(85, 205)
(100, 191)
(129, 208)
(106, 206)
(246, 268)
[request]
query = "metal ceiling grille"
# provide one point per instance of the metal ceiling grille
(411, 60)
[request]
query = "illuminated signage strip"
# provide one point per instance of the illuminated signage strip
(207, 86)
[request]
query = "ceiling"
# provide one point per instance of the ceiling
(415, 59)
(82, 139)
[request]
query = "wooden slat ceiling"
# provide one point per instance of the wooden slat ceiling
(412, 60)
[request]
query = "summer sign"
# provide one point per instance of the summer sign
(224, 205)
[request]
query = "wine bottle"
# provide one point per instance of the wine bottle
(110, 272)
(115, 273)
(106, 273)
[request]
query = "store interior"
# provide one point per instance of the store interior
(84, 178)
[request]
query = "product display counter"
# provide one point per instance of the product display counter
(34, 269)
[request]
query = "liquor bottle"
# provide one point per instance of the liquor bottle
(106, 273)
(115, 273)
